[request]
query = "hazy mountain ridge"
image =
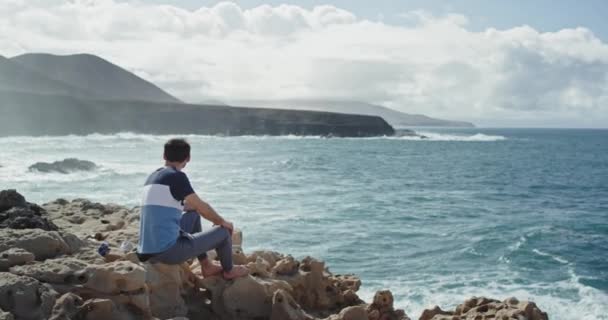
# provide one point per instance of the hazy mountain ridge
(15, 77)
(94, 75)
(395, 118)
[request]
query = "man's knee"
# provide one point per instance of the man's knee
(224, 234)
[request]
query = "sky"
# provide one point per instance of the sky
(495, 63)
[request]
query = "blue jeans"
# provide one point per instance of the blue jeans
(193, 242)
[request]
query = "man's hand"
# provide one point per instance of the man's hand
(228, 225)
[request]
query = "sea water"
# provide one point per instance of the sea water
(492, 212)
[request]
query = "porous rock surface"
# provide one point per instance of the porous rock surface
(60, 272)
(485, 309)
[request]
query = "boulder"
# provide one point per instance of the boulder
(25, 297)
(11, 198)
(67, 307)
(166, 285)
(43, 244)
(25, 218)
(64, 166)
(14, 257)
(284, 307)
(246, 298)
(259, 268)
(287, 266)
(351, 313)
(17, 213)
(382, 308)
(102, 309)
(315, 289)
(120, 281)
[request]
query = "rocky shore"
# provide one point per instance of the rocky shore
(50, 269)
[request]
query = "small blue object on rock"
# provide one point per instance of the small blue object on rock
(103, 249)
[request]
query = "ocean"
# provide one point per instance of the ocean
(484, 212)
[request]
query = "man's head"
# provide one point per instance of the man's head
(177, 152)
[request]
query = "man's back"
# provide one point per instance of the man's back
(162, 204)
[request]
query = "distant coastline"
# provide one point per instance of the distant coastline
(44, 94)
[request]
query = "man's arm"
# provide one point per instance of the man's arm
(206, 211)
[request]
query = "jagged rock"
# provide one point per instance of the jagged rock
(315, 289)
(43, 244)
(259, 268)
(428, 314)
(123, 282)
(284, 307)
(165, 288)
(238, 256)
(64, 166)
(25, 297)
(11, 198)
(25, 218)
(286, 267)
(347, 282)
(270, 256)
(67, 307)
(484, 308)
(382, 308)
(17, 213)
(351, 313)
(102, 309)
(14, 257)
(120, 281)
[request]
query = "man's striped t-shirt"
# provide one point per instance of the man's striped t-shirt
(161, 210)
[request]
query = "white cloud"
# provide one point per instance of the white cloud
(431, 65)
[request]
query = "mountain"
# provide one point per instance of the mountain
(16, 77)
(393, 117)
(43, 94)
(94, 76)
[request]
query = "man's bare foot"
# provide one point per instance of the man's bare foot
(211, 269)
(236, 272)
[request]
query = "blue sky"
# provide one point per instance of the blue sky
(543, 15)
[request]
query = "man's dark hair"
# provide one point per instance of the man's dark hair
(177, 150)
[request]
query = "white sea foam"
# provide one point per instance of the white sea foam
(587, 303)
(434, 136)
(136, 137)
(552, 256)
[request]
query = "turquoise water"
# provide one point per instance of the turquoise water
(496, 212)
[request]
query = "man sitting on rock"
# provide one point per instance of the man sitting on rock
(168, 236)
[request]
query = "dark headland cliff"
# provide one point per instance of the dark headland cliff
(42, 94)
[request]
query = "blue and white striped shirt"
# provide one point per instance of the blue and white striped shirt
(161, 210)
